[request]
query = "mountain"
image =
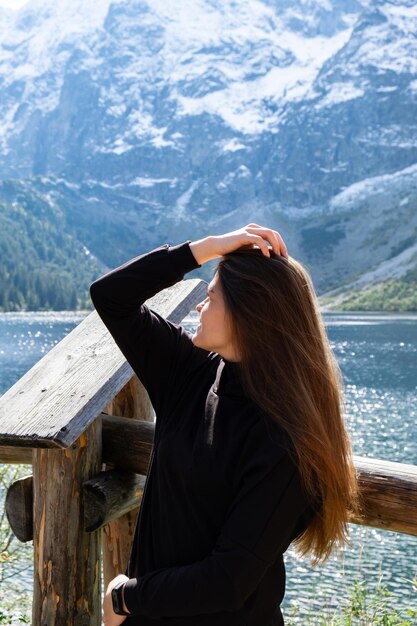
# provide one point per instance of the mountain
(43, 267)
(390, 287)
(375, 226)
(160, 121)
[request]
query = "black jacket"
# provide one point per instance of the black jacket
(222, 500)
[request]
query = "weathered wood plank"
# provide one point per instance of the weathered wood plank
(53, 403)
(122, 446)
(66, 589)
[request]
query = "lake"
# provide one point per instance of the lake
(378, 357)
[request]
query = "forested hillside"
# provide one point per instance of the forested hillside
(43, 266)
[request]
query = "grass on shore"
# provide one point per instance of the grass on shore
(365, 606)
(394, 295)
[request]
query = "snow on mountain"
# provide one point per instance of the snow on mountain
(243, 66)
(212, 58)
(402, 182)
(242, 103)
(359, 119)
(383, 43)
(191, 113)
(43, 36)
(7, 17)
(400, 55)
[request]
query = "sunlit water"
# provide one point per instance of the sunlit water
(378, 358)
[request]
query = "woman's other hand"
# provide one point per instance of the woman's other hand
(110, 618)
(252, 235)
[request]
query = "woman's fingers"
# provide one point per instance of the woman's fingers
(261, 243)
(282, 245)
(270, 235)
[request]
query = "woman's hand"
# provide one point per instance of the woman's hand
(251, 236)
(110, 618)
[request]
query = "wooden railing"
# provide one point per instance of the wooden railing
(85, 423)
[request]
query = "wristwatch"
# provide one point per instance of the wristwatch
(117, 598)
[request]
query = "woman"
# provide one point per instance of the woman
(250, 450)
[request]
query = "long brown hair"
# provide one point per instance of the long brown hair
(289, 370)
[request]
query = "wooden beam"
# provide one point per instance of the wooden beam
(388, 489)
(106, 497)
(66, 590)
(109, 495)
(62, 394)
(389, 495)
(14, 454)
(19, 508)
(127, 443)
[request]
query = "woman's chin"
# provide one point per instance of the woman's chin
(196, 337)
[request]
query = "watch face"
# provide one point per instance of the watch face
(116, 599)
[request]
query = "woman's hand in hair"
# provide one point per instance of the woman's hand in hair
(252, 235)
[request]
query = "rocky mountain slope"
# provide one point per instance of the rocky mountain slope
(153, 121)
(379, 218)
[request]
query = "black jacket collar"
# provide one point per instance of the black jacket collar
(228, 380)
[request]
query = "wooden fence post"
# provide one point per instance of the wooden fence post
(132, 401)
(66, 590)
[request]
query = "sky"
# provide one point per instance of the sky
(13, 4)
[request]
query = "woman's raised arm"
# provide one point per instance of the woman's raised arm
(250, 235)
(158, 350)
